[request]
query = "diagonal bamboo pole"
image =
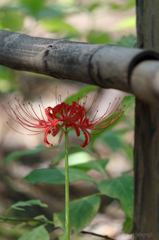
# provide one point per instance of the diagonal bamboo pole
(132, 70)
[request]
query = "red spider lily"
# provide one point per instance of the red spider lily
(25, 115)
(73, 116)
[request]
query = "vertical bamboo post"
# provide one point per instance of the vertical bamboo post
(146, 150)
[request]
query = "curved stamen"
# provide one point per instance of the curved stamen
(71, 116)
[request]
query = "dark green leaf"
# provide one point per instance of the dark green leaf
(82, 212)
(51, 12)
(33, 6)
(121, 188)
(20, 205)
(98, 165)
(57, 176)
(128, 225)
(127, 41)
(41, 218)
(18, 154)
(114, 138)
(5, 73)
(38, 233)
(129, 152)
(7, 82)
(55, 11)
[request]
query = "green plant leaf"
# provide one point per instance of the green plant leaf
(38, 233)
(82, 211)
(121, 188)
(114, 138)
(50, 12)
(129, 152)
(40, 218)
(128, 225)
(7, 82)
(33, 6)
(57, 176)
(98, 165)
(18, 154)
(127, 41)
(82, 92)
(99, 37)
(21, 204)
(56, 11)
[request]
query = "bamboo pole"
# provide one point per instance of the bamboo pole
(146, 151)
(135, 71)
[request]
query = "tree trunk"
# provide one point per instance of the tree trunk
(146, 151)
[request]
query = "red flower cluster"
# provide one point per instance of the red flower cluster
(73, 116)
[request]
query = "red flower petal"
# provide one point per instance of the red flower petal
(74, 115)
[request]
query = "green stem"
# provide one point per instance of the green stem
(67, 220)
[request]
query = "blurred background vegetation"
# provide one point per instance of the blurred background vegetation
(102, 22)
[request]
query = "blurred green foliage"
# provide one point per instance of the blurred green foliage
(99, 37)
(38, 233)
(82, 212)
(121, 188)
(122, 7)
(11, 19)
